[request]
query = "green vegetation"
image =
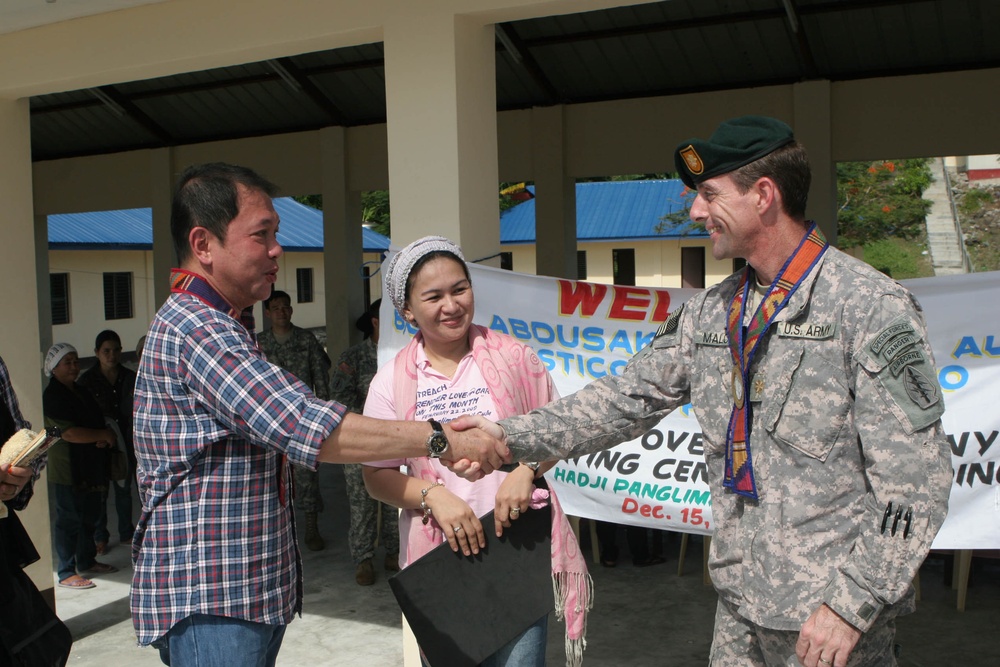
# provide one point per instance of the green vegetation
(979, 214)
(374, 208)
(899, 258)
(881, 200)
(973, 201)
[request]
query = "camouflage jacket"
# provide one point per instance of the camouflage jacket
(302, 356)
(846, 413)
(353, 373)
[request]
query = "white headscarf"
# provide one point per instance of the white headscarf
(402, 264)
(55, 355)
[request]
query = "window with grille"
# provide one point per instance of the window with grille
(118, 296)
(624, 266)
(507, 261)
(581, 264)
(304, 285)
(59, 297)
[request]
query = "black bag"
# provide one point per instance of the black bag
(463, 608)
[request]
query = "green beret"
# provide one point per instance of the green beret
(736, 142)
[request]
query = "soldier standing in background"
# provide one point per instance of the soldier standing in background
(298, 352)
(349, 385)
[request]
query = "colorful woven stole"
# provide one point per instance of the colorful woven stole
(743, 343)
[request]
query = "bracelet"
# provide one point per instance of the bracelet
(423, 502)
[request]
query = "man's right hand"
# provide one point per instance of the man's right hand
(474, 452)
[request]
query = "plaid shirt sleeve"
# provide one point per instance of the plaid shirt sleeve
(256, 400)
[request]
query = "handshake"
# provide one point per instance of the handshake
(476, 447)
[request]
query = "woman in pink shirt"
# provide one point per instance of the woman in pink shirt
(450, 368)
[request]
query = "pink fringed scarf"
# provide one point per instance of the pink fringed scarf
(518, 383)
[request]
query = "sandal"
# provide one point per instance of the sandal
(100, 568)
(76, 581)
(102, 548)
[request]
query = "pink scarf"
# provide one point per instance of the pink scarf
(518, 383)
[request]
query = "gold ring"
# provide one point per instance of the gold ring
(825, 661)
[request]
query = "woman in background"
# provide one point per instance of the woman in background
(78, 467)
(453, 361)
(112, 385)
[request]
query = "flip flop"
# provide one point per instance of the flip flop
(76, 581)
(100, 568)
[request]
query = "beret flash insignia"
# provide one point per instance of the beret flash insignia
(692, 160)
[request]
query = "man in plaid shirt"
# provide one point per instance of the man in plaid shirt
(217, 570)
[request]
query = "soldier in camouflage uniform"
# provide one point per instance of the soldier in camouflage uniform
(828, 497)
(298, 352)
(349, 385)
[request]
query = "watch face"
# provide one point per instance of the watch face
(437, 444)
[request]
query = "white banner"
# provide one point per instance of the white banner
(583, 331)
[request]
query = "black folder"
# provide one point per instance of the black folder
(463, 608)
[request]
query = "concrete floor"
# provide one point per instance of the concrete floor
(642, 617)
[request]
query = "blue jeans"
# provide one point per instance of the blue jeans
(73, 529)
(201, 640)
(525, 650)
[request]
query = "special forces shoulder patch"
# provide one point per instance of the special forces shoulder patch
(906, 373)
(670, 324)
(923, 391)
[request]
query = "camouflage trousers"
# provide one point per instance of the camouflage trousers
(737, 643)
(307, 496)
(364, 518)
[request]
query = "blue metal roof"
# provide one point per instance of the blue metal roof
(301, 230)
(612, 210)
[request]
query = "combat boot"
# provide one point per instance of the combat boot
(312, 537)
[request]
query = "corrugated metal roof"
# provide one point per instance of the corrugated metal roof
(659, 48)
(301, 230)
(612, 210)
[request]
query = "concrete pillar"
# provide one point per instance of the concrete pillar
(24, 269)
(555, 196)
(441, 124)
(161, 185)
(812, 125)
(343, 286)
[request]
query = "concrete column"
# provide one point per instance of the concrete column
(161, 185)
(441, 124)
(343, 286)
(24, 269)
(555, 196)
(812, 125)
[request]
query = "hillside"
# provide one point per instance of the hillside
(978, 206)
